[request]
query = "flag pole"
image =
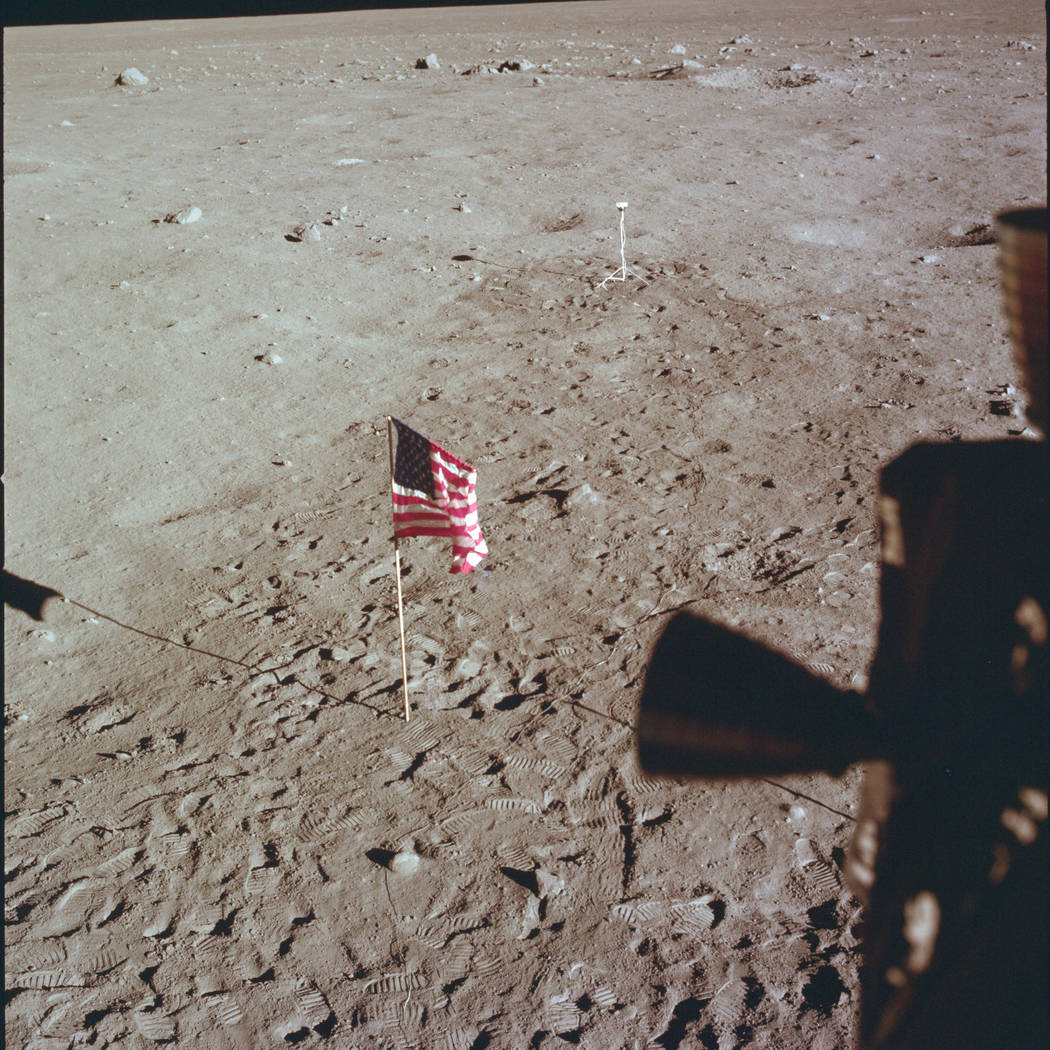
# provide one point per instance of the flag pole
(397, 571)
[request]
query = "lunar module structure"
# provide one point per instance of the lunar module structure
(949, 851)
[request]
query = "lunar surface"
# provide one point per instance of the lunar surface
(232, 249)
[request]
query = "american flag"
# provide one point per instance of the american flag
(434, 495)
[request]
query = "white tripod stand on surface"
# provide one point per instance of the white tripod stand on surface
(623, 272)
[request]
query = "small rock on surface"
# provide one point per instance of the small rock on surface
(342, 653)
(583, 497)
(185, 215)
(405, 863)
(548, 883)
(131, 77)
(430, 62)
(308, 231)
(678, 49)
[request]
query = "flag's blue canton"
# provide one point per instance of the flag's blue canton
(412, 467)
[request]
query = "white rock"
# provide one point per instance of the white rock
(271, 358)
(209, 984)
(582, 497)
(804, 852)
(160, 924)
(468, 668)
(678, 49)
(308, 231)
(430, 62)
(191, 214)
(342, 653)
(550, 885)
(131, 77)
(405, 863)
